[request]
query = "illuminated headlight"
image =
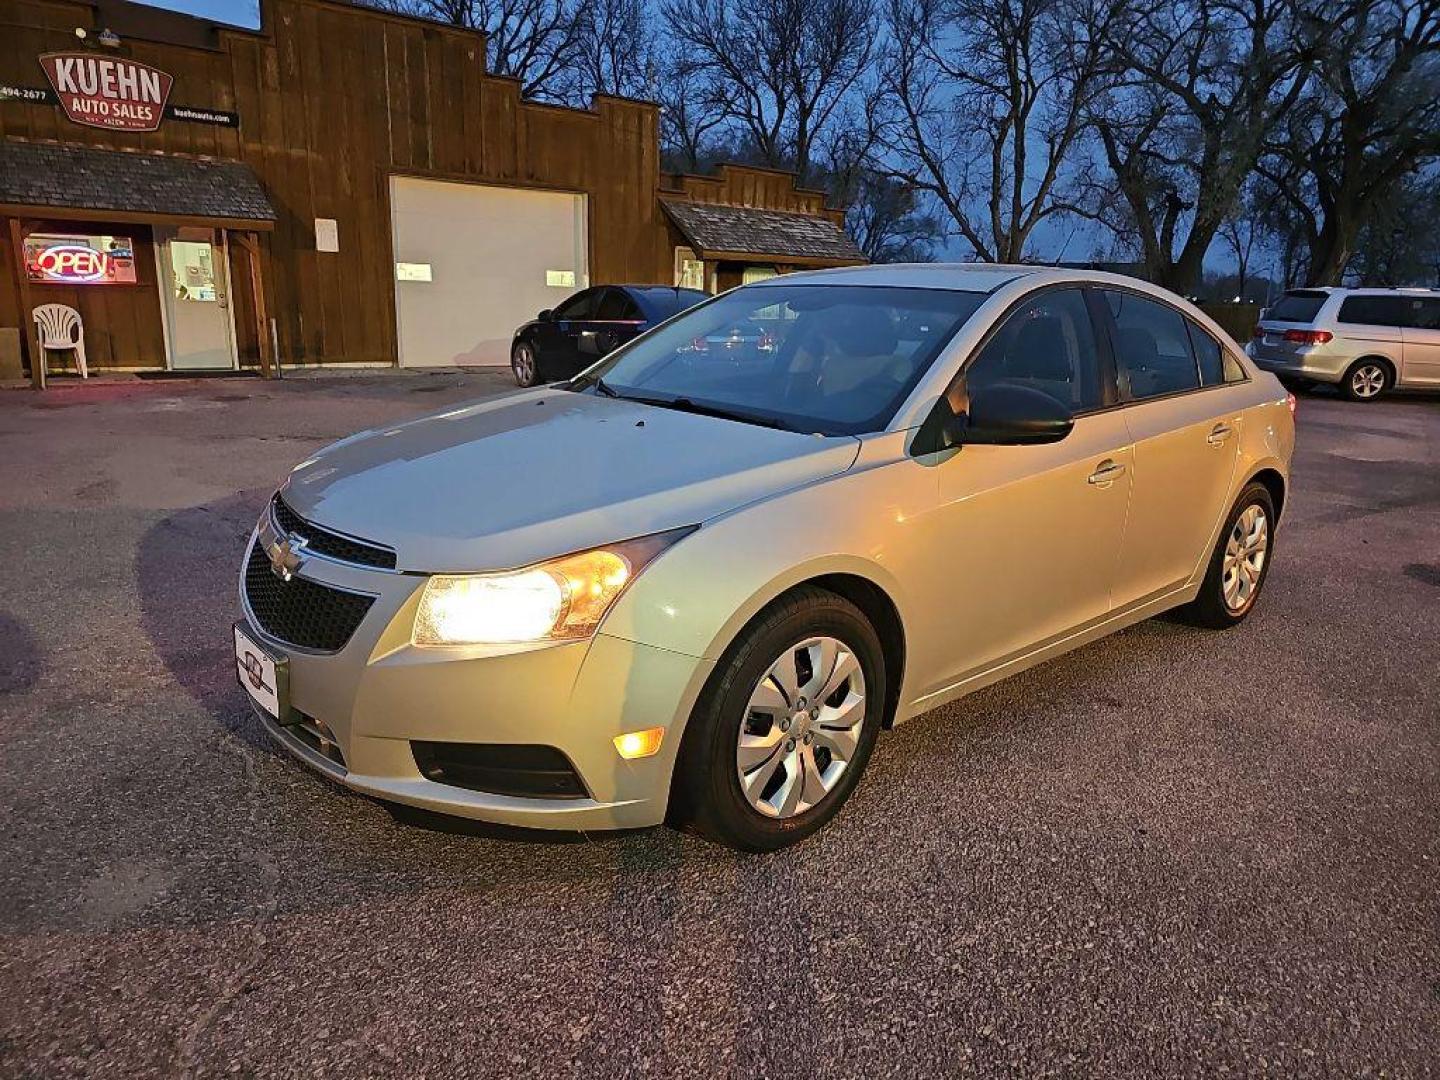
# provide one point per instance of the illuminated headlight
(559, 600)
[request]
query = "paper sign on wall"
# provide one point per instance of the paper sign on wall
(412, 272)
(327, 234)
(561, 279)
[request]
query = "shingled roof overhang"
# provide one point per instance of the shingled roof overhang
(78, 182)
(743, 233)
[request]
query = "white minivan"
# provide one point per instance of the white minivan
(1367, 341)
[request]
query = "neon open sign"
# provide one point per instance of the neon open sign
(80, 260)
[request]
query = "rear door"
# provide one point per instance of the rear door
(617, 320)
(1369, 324)
(1422, 342)
(1185, 430)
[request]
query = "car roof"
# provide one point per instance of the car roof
(968, 277)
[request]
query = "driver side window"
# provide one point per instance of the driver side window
(1047, 344)
(579, 306)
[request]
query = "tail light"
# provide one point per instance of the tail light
(1308, 337)
(1292, 401)
(1258, 332)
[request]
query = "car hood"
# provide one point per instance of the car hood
(505, 483)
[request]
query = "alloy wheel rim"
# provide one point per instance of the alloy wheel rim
(524, 365)
(1245, 551)
(801, 728)
(1368, 381)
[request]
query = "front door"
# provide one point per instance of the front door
(1027, 537)
(196, 294)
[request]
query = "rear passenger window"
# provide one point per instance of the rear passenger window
(1216, 365)
(1048, 344)
(616, 304)
(1424, 315)
(1373, 311)
(1153, 355)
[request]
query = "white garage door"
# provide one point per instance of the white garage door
(474, 262)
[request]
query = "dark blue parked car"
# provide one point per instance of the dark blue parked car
(561, 343)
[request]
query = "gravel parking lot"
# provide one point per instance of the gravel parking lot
(1169, 853)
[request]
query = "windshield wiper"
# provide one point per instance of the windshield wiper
(582, 382)
(685, 404)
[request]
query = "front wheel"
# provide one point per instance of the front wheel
(1365, 380)
(1239, 564)
(523, 365)
(781, 735)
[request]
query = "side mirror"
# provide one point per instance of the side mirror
(546, 315)
(1008, 416)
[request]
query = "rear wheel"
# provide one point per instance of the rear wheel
(1366, 380)
(785, 727)
(522, 364)
(1239, 564)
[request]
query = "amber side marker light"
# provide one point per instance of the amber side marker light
(638, 744)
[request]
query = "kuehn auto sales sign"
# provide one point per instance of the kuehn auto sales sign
(108, 91)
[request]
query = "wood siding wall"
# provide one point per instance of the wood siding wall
(332, 100)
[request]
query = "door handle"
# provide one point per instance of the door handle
(1106, 473)
(1218, 434)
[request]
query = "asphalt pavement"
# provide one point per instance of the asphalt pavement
(1170, 853)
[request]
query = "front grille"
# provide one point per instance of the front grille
(300, 612)
(324, 542)
(532, 772)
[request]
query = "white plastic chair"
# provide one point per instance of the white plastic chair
(60, 328)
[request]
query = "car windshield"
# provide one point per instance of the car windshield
(833, 359)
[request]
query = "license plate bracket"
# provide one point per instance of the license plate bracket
(264, 675)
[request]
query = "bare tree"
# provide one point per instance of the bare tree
(1196, 89)
(787, 65)
(1241, 230)
(986, 104)
(694, 105)
(1370, 118)
(888, 217)
(616, 50)
(535, 41)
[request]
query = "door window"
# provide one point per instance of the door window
(616, 306)
(1216, 365)
(1424, 315)
(1373, 311)
(1153, 355)
(192, 268)
(1048, 344)
(579, 306)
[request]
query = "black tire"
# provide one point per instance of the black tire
(1209, 609)
(524, 365)
(1357, 388)
(706, 796)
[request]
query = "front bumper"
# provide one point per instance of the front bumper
(379, 692)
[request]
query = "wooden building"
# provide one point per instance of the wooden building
(344, 186)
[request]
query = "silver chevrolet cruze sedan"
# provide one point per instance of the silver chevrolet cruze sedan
(695, 585)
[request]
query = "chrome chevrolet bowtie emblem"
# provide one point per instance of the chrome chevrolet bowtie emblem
(286, 555)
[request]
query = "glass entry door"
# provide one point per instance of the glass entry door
(196, 294)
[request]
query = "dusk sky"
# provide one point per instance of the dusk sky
(238, 12)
